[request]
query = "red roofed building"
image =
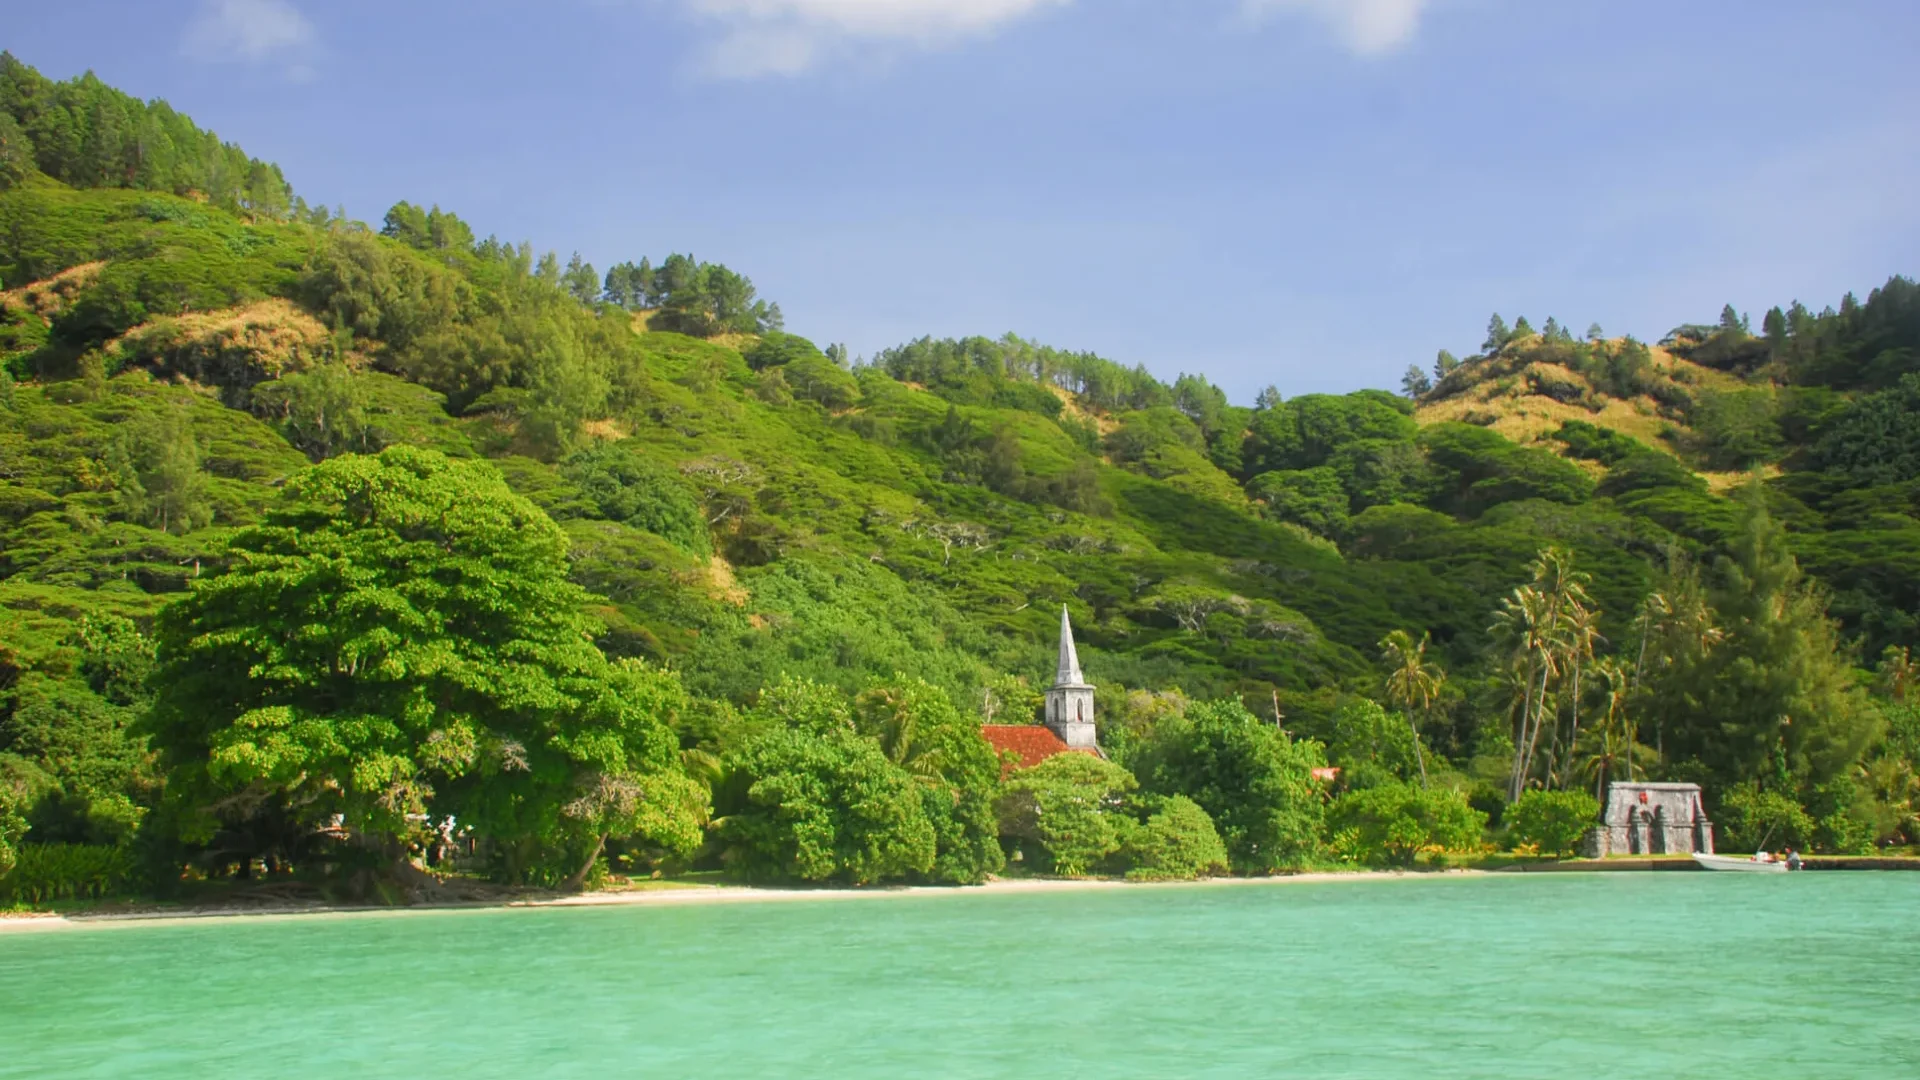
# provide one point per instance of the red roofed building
(1030, 744)
(1069, 726)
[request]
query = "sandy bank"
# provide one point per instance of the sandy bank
(644, 897)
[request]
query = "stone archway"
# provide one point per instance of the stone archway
(1640, 832)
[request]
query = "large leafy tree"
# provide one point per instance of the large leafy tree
(920, 730)
(1071, 807)
(1254, 781)
(821, 805)
(155, 465)
(397, 641)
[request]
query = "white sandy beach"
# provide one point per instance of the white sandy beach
(27, 922)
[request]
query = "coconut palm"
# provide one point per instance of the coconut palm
(1412, 680)
(1610, 742)
(1582, 632)
(887, 714)
(1528, 623)
(1534, 623)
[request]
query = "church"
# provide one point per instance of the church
(1069, 724)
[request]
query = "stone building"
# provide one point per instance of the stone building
(1651, 819)
(1069, 716)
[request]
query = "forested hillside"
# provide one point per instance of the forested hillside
(1558, 560)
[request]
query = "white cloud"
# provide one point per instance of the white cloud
(788, 37)
(1368, 27)
(249, 31)
(785, 37)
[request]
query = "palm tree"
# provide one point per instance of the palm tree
(1655, 611)
(1526, 621)
(1582, 631)
(1411, 680)
(888, 715)
(1612, 741)
(1534, 621)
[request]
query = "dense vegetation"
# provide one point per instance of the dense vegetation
(327, 550)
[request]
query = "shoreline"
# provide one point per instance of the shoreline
(34, 922)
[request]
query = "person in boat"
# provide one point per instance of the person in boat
(1793, 859)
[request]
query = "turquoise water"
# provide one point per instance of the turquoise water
(1633, 975)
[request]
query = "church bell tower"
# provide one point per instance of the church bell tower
(1070, 699)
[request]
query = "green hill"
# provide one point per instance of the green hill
(745, 507)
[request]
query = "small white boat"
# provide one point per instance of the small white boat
(1747, 865)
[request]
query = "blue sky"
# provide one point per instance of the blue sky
(1306, 193)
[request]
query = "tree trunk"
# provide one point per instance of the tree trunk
(579, 879)
(1520, 742)
(1573, 738)
(1533, 742)
(1418, 754)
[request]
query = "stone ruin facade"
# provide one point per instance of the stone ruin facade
(1651, 819)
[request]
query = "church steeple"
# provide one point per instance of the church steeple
(1070, 699)
(1069, 670)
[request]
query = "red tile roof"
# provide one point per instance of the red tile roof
(1031, 743)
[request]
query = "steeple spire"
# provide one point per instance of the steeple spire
(1069, 670)
(1070, 699)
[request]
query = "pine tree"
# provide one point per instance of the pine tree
(1415, 383)
(1444, 365)
(1777, 684)
(581, 280)
(1774, 326)
(1497, 335)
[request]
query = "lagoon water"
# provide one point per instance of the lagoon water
(1652, 975)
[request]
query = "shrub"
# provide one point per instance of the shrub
(777, 349)
(1393, 823)
(1552, 821)
(820, 380)
(1751, 819)
(1177, 843)
(48, 872)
